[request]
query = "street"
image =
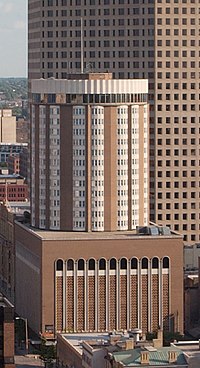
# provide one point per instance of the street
(23, 361)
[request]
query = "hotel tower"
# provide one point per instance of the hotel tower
(89, 153)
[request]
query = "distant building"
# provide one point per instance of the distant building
(99, 281)
(7, 340)
(23, 163)
(13, 188)
(191, 255)
(13, 163)
(191, 302)
(22, 131)
(6, 149)
(7, 126)
(17, 163)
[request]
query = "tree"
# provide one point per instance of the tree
(47, 353)
(19, 332)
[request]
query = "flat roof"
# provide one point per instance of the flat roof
(77, 339)
(98, 235)
(14, 144)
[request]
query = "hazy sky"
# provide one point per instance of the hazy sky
(13, 38)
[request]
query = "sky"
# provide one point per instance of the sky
(13, 38)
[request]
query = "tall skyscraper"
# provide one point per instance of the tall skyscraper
(89, 178)
(137, 39)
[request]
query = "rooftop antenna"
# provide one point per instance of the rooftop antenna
(82, 46)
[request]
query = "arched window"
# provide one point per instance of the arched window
(144, 263)
(123, 264)
(59, 265)
(134, 263)
(165, 262)
(91, 264)
(102, 264)
(70, 265)
(155, 262)
(81, 264)
(113, 264)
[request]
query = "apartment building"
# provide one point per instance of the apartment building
(136, 39)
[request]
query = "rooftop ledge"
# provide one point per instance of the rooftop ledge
(98, 235)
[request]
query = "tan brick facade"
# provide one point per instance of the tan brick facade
(119, 293)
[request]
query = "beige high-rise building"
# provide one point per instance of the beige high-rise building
(137, 39)
(7, 126)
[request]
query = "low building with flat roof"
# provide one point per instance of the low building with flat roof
(116, 350)
(6, 149)
(13, 188)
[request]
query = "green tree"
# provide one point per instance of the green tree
(171, 336)
(47, 353)
(19, 332)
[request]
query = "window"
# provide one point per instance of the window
(165, 262)
(134, 263)
(155, 263)
(144, 263)
(70, 265)
(91, 264)
(123, 264)
(113, 264)
(81, 264)
(59, 265)
(102, 264)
